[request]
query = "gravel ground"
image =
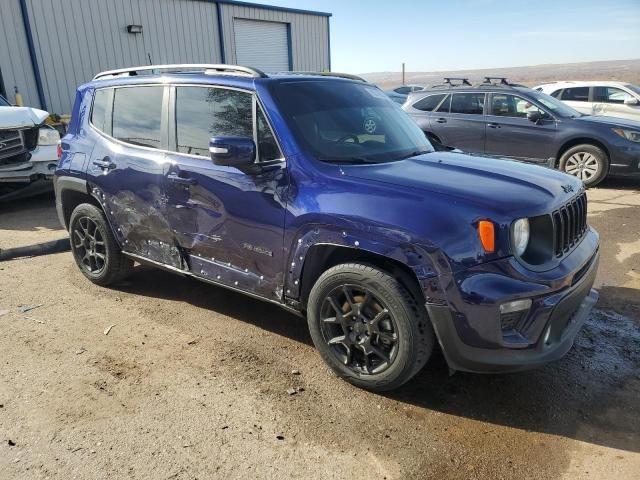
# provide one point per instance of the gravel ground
(191, 382)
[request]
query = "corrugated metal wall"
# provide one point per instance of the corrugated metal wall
(75, 39)
(309, 34)
(14, 54)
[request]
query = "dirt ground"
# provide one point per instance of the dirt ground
(191, 382)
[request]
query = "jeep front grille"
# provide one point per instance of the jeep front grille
(569, 224)
(11, 143)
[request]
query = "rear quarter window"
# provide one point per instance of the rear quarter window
(428, 104)
(101, 110)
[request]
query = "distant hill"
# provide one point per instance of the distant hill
(619, 70)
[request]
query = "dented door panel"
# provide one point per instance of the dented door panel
(229, 222)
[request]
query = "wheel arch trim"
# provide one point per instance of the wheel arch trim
(415, 259)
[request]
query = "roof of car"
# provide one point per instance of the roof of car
(231, 75)
(471, 88)
(582, 83)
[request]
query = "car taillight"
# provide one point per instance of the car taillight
(59, 150)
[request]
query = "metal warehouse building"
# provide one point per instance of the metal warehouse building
(49, 47)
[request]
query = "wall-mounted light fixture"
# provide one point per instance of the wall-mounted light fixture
(134, 28)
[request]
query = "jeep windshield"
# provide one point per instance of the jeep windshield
(556, 106)
(347, 122)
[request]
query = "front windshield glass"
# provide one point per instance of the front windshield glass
(3, 102)
(349, 122)
(633, 88)
(556, 106)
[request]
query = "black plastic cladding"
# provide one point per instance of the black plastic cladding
(569, 224)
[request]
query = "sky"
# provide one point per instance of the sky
(431, 35)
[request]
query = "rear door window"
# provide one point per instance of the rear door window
(468, 103)
(137, 114)
(428, 104)
(575, 94)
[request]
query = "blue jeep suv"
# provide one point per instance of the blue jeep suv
(317, 193)
(502, 119)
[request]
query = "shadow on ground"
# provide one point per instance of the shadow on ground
(621, 183)
(590, 395)
(30, 214)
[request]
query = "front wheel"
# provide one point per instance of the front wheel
(587, 162)
(368, 327)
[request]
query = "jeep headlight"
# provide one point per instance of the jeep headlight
(520, 232)
(48, 136)
(631, 135)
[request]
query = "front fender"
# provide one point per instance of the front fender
(426, 261)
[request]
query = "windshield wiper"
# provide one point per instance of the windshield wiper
(413, 154)
(352, 160)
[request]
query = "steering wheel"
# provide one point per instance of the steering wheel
(346, 137)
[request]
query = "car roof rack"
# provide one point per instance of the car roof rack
(498, 82)
(453, 82)
(348, 76)
(208, 69)
(463, 81)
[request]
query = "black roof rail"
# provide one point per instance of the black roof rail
(209, 69)
(325, 74)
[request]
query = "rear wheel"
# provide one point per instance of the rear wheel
(368, 327)
(94, 248)
(587, 162)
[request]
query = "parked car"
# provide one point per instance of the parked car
(28, 151)
(399, 94)
(501, 119)
(611, 99)
(274, 186)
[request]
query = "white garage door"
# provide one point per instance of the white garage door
(263, 45)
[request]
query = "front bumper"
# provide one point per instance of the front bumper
(625, 159)
(470, 332)
(31, 177)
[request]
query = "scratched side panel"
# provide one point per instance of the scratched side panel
(230, 223)
(133, 200)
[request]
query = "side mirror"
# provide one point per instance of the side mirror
(631, 101)
(232, 151)
(534, 116)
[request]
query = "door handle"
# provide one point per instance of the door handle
(441, 120)
(105, 163)
(493, 125)
(175, 178)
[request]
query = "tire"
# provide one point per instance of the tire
(403, 335)
(587, 162)
(94, 248)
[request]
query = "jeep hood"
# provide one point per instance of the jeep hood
(494, 185)
(21, 117)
